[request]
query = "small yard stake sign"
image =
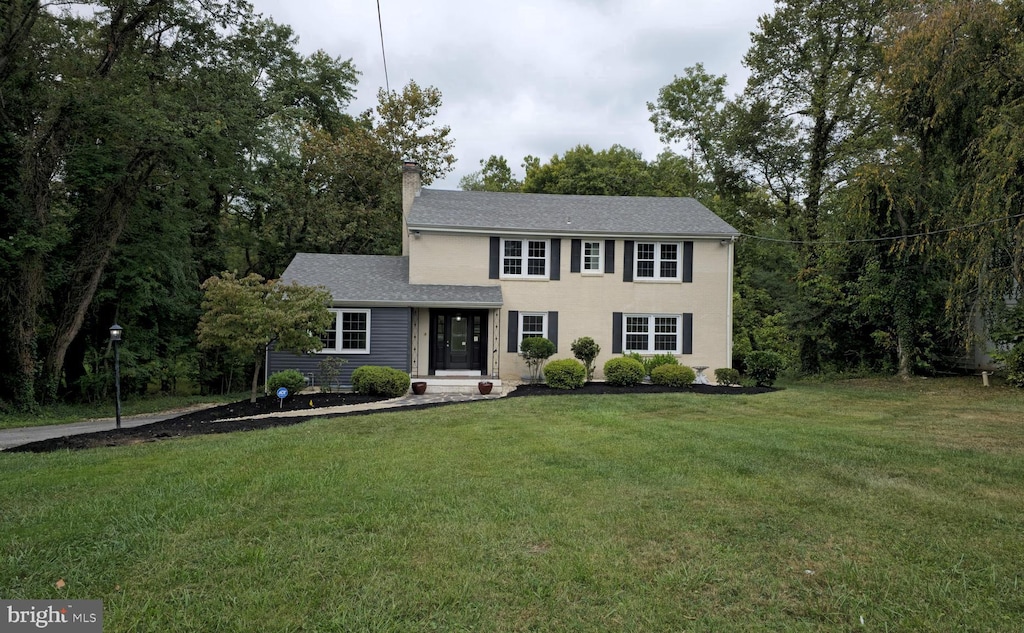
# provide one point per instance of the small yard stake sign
(282, 393)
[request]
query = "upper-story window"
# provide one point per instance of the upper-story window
(592, 260)
(657, 260)
(524, 258)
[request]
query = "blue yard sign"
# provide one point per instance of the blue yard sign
(282, 393)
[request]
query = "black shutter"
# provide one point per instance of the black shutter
(553, 329)
(513, 331)
(627, 261)
(688, 261)
(556, 260)
(576, 256)
(495, 269)
(616, 332)
(609, 256)
(687, 333)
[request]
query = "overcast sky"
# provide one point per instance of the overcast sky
(529, 76)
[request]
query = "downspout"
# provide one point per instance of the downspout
(728, 309)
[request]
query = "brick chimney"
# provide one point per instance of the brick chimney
(411, 184)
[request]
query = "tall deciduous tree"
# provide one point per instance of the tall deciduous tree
(249, 315)
(494, 175)
(121, 119)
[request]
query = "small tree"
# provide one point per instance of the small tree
(586, 349)
(535, 350)
(246, 316)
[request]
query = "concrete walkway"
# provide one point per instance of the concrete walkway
(27, 435)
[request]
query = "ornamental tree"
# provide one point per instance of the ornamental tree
(246, 316)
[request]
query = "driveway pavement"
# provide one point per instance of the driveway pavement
(17, 437)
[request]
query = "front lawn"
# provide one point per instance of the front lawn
(815, 508)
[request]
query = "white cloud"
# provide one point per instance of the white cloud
(534, 76)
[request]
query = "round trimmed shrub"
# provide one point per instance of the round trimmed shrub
(673, 375)
(657, 361)
(290, 379)
(375, 380)
(565, 373)
(624, 371)
(727, 376)
(764, 367)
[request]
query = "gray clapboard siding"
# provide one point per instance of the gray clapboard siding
(390, 337)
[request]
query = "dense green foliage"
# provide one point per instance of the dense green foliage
(658, 360)
(764, 367)
(565, 373)
(1015, 366)
(673, 375)
(727, 376)
(585, 349)
(147, 146)
(246, 317)
(623, 371)
(375, 380)
(290, 379)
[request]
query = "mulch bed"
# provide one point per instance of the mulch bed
(218, 419)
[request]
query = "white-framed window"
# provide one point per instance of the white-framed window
(349, 334)
(652, 333)
(525, 258)
(657, 261)
(593, 257)
(533, 324)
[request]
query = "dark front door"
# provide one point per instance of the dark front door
(458, 337)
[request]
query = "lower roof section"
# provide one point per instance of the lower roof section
(382, 280)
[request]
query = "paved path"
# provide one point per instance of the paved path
(17, 437)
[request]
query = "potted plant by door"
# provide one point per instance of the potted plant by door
(419, 388)
(485, 387)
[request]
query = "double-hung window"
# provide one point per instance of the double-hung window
(524, 258)
(349, 334)
(532, 324)
(592, 257)
(652, 333)
(657, 261)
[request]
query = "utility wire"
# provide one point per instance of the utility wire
(883, 239)
(380, 24)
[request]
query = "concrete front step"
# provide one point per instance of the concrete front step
(458, 384)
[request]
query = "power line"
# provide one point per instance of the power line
(883, 239)
(380, 24)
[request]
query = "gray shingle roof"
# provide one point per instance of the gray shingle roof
(381, 280)
(565, 215)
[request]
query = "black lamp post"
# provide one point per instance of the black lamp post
(115, 337)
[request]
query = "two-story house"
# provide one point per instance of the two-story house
(480, 271)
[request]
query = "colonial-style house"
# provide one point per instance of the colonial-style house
(481, 271)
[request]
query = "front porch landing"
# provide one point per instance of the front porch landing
(458, 384)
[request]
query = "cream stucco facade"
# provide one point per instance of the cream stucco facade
(585, 302)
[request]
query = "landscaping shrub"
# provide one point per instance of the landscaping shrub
(330, 369)
(291, 379)
(1014, 364)
(727, 376)
(565, 373)
(764, 367)
(586, 349)
(658, 360)
(673, 375)
(535, 350)
(624, 371)
(380, 381)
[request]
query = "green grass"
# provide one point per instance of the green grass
(66, 413)
(802, 510)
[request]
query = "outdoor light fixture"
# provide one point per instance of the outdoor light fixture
(116, 332)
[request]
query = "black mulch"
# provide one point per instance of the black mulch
(208, 421)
